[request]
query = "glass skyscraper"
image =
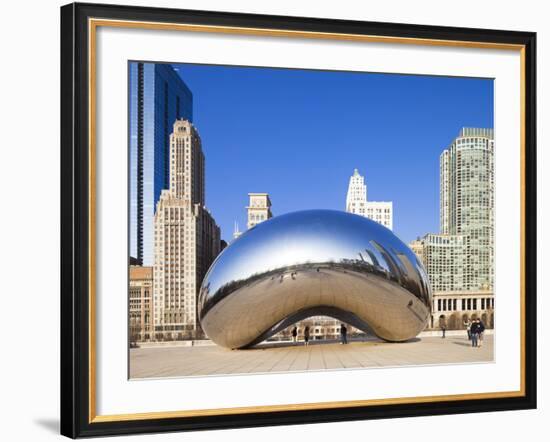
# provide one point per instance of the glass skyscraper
(460, 257)
(467, 201)
(158, 97)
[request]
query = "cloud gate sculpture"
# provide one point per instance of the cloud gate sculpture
(309, 263)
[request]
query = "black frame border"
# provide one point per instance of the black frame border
(75, 220)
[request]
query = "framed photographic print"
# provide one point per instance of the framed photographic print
(274, 220)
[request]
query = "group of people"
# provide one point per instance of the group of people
(475, 329)
(343, 334)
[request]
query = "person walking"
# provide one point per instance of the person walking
(474, 332)
(306, 335)
(481, 329)
(468, 324)
(343, 334)
(443, 328)
(294, 334)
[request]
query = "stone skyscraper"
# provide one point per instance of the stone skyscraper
(187, 238)
(356, 202)
(140, 303)
(259, 209)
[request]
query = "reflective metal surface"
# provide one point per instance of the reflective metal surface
(315, 262)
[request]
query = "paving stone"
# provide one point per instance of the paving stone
(284, 357)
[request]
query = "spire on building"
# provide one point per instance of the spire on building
(236, 231)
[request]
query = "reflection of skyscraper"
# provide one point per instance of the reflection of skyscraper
(417, 246)
(356, 202)
(157, 97)
(187, 238)
(373, 259)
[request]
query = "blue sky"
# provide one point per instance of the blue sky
(298, 135)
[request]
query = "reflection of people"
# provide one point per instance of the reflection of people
(481, 329)
(294, 334)
(468, 324)
(306, 335)
(343, 334)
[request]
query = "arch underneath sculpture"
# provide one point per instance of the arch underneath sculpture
(321, 310)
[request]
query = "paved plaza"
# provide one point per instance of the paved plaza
(285, 357)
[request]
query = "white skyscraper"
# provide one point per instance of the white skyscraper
(356, 202)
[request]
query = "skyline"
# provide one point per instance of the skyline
(415, 117)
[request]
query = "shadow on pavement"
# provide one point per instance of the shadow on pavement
(285, 344)
(463, 344)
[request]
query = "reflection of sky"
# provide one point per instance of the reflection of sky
(309, 236)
